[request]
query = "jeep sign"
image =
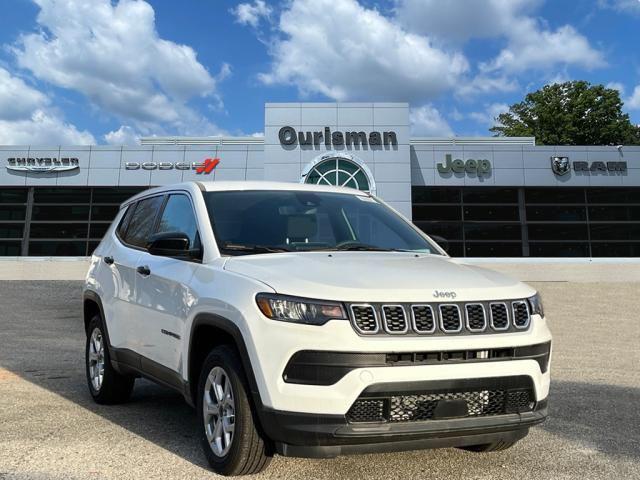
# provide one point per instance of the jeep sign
(470, 166)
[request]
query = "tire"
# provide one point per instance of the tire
(490, 447)
(113, 388)
(244, 451)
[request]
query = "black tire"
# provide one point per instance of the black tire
(490, 447)
(248, 452)
(115, 388)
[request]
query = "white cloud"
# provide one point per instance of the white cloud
(624, 6)
(427, 121)
(17, 99)
(343, 50)
(113, 55)
(125, 135)
(559, 77)
(616, 86)
(529, 43)
(458, 21)
(633, 102)
(529, 47)
(488, 117)
(26, 118)
(251, 14)
(484, 84)
(42, 128)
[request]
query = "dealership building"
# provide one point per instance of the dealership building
(488, 196)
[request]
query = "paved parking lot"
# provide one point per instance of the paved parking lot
(50, 429)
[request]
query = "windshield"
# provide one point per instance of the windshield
(276, 221)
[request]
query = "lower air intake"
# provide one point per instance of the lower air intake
(439, 405)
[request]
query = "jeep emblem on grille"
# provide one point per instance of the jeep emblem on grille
(449, 295)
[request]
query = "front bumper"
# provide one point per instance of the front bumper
(323, 436)
(271, 349)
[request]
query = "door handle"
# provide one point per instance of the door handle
(143, 270)
(108, 260)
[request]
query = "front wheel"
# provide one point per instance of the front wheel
(230, 439)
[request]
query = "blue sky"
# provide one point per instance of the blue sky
(100, 71)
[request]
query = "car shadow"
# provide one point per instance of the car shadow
(45, 346)
(599, 416)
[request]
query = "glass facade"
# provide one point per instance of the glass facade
(532, 221)
(57, 221)
(475, 221)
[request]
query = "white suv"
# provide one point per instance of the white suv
(310, 321)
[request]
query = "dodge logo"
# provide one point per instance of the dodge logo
(560, 165)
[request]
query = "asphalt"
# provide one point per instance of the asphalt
(50, 428)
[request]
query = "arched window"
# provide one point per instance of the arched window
(340, 172)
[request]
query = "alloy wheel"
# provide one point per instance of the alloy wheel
(96, 359)
(219, 411)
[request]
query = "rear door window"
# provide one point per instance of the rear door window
(142, 221)
(124, 222)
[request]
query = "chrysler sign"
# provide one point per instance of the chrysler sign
(42, 164)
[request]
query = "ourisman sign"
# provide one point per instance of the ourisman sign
(289, 136)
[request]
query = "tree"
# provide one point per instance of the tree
(570, 113)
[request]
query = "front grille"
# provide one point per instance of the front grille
(520, 314)
(423, 319)
(450, 321)
(365, 318)
(480, 398)
(480, 317)
(499, 316)
(476, 320)
(412, 408)
(395, 320)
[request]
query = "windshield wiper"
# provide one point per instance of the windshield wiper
(353, 247)
(238, 247)
(363, 248)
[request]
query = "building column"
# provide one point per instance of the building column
(27, 223)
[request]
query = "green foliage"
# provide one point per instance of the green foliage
(570, 113)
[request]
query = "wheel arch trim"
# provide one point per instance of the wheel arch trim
(90, 295)
(230, 328)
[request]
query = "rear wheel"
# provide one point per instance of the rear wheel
(106, 385)
(231, 440)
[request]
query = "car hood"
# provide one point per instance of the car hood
(376, 276)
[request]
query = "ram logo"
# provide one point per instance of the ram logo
(560, 165)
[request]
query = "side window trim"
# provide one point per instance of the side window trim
(156, 223)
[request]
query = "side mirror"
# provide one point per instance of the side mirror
(443, 242)
(170, 244)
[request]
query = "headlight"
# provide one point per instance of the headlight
(535, 305)
(299, 310)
